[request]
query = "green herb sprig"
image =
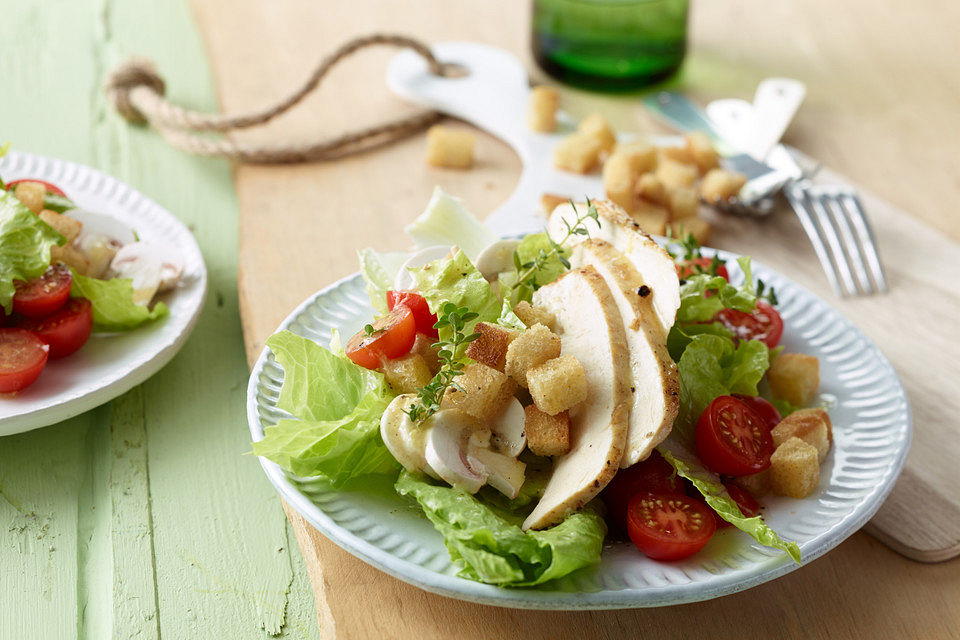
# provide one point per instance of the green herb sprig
(451, 354)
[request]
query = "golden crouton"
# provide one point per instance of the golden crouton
(31, 194)
(407, 374)
(698, 227)
(683, 203)
(794, 377)
(596, 125)
(652, 218)
(65, 226)
(531, 315)
(677, 154)
(579, 152)
(675, 174)
(534, 346)
(756, 484)
(542, 109)
(70, 256)
(449, 147)
(620, 174)
(547, 435)
(650, 188)
(491, 347)
(794, 470)
(423, 346)
(810, 425)
(645, 152)
(558, 384)
(701, 151)
(550, 201)
(720, 184)
(485, 391)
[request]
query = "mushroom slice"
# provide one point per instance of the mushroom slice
(404, 439)
(447, 435)
(496, 258)
(403, 280)
(138, 260)
(509, 430)
(504, 473)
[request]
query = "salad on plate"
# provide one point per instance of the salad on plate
(537, 396)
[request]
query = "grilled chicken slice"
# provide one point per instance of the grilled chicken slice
(656, 385)
(590, 328)
(617, 227)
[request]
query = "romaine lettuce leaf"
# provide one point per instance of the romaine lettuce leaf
(379, 270)
(493, 548)
(112, 302)
(456, 280)
(709, 485)
(25, 242)
(695, 307)
(446, 222)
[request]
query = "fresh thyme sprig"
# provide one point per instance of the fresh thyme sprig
(451, 361)
(527, 271)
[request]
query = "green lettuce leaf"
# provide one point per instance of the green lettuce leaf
(456, 280)
(379, 270)
(713, 491)
(112, 302)
(446, 222)
(493, 548)
(25, 242)
(695, 307)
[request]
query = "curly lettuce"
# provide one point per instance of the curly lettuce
(25, 243)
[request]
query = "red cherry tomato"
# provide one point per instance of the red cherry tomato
(763, 407)
(702, 264)
(42, 296)
(65, 330)
(764, 323)
(668, 526)
(732, 439)
(3, 317)
(748, 505)
(51, 188)
(653, 475)
(22, 359)
(421, 310)
(392, 336)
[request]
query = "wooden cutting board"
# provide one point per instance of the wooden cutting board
(300, 227)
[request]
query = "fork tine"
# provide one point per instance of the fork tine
(829, 229)
(868, 245)
(795, 195)
(830, 199)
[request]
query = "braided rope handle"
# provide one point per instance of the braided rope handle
(136, 91)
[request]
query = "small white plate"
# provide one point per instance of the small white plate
(108, 365)
(871, 419)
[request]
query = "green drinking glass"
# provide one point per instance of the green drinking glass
(610, 45)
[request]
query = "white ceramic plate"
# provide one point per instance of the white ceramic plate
(871, 421)
(108, 365)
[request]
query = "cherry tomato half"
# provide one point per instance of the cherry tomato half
(51, 188)
(668, 526)
(42, 296)
(392, 336)
(702, 264)
(65, 330)
(421, 310)
(764, 323)
(732, 439)
(22, 359)
(748, 505)
(763, 407)
(653, 475)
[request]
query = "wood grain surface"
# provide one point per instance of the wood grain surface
(881, 111)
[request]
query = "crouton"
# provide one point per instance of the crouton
(578, 152)
(72, 257)
(698, 227)
(794, 470)
(756, 484)
(596, 126)
(701, 151)
(550, 201)
(531, 315)
(407, 373)
(720, 184)
(683, 203)
(485, 391)
(646, 153)
(542, 109)
(794, 377)
(449, 147)
(650, 188)
(65, 226)
(810, 425)
(31, 194)
(490, 348)
(534, 346)
(676, 154)
(423, 346)
(675, 174)
(547, 435)
(620, 174)
(557, 384)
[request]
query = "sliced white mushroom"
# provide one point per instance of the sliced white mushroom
(404, 280)
(496, 258)
(504, 473)
(509, 432)
(143, 269)
(404, 439)
(138, 260)
(448, 432)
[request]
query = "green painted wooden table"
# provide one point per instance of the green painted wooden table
(142, 518)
